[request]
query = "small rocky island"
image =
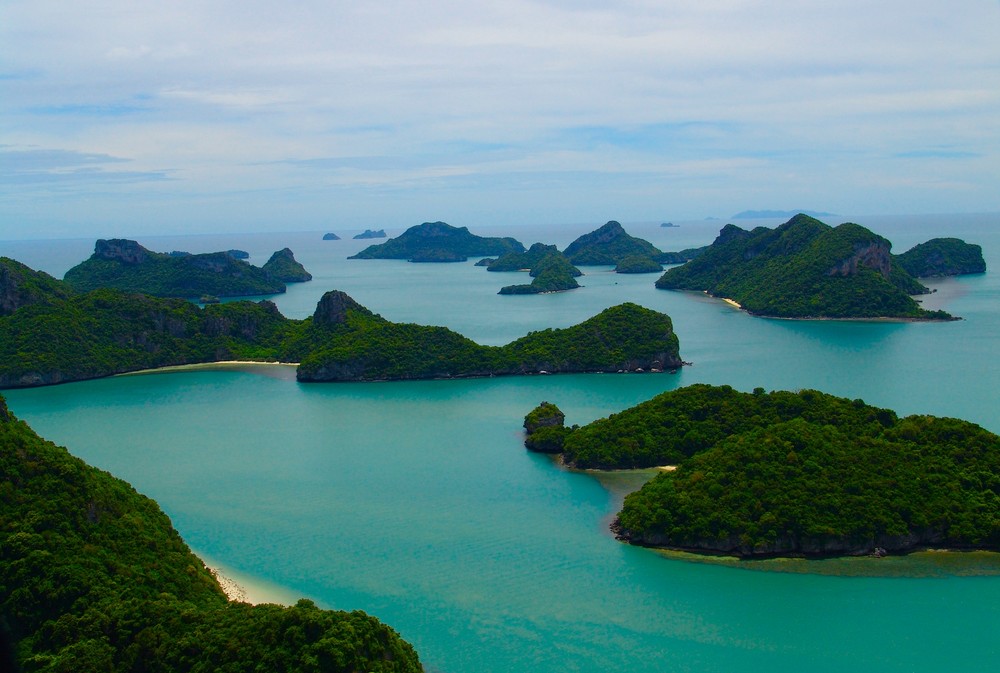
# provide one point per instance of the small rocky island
(125, 265)
(804, 269)
(331, 237)
(438, 242)
(551, 273)
(282, 265)
(369, 233)
(788, 473)
(942, 257)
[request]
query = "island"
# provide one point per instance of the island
(551, 273)
(638, 264)
(669, 225)
(95, 577)
(942, 257)
(438, 241)
(282, 266)
(54, 334)
(522, 259)
(804, 269)
(608, 245)
(126, 265)
(369, 233)
(771, 214)
(331, 237)
(788, 473)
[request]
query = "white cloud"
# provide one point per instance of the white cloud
(223, 94)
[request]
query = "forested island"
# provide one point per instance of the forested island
(438, 242)
(369, 233)
(549, 269)
(942, 257)
(609, 245)
(51, 334)
(788, 473)
(125, 265)
(804, 269)
(93, 577)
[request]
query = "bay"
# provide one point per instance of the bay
(417, 503)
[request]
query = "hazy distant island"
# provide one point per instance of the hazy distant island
(788, 473)
(669, 225)
(438, 242)
(804, 269)
(50, 333)
(769, 214)
(126, 265)
(369, 233)
(95, 577)
(331, 237)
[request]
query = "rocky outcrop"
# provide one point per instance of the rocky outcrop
(874, 255)
(121, 250)
(369, 233)
(333, 307)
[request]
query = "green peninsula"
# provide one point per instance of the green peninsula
(804, 269)
(61, 336)
(438, 242)
(95, 578)
(125, 265)
(790, 474)
(608, 245)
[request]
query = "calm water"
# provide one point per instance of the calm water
(416, 501)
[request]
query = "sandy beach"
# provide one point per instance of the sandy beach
(245, 588)
(241, 365)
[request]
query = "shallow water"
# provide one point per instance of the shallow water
(416, 501)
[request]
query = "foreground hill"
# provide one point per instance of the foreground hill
(804, 269)
(93, 577)
(105, 332)
(125, 265)
(790, 473)
(438, 242)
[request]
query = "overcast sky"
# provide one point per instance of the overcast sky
(127, 117)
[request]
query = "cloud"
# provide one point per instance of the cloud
(21, 168)
(253, 97)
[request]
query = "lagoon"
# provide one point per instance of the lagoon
(416, 502)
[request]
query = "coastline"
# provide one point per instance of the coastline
(242, 365)
(243, 588)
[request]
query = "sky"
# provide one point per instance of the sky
(129, 117)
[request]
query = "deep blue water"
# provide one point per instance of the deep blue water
(416, 501)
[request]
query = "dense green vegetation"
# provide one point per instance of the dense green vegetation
(682, 256)
(346, 342)
(438, 241)
(519, 261)
(638, 264)
(93, 577)
(126, 265)
(283, 267)
(551, 273)
(104, 332)
(23, 286)
(942, 257)
(544, 429)
(608, 245)
(804, 269)
(790, 473)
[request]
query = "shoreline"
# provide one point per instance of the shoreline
(240, 587)
(221, 364)
(896, 319)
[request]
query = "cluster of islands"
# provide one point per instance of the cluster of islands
(95, 577)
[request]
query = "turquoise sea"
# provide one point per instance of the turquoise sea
(416, 501)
